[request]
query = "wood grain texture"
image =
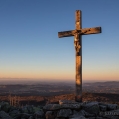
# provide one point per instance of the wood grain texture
(78, 24)
(66, 33)
(84, 31)
(87, 31)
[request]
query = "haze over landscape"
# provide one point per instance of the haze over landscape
(31, 50)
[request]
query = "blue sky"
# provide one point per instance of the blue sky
(30, 47)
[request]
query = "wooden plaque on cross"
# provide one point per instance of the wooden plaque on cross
(77, 33)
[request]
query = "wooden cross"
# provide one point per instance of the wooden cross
(77, 33)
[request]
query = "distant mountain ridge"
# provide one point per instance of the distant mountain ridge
(104, 83)
(102, 87)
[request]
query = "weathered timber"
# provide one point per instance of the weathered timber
(78, 22)
(78, 49)
(66, 33)
(87, 31)
(84, 31)
(77, 33)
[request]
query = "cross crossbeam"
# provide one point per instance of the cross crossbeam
(77, 33)
(85, 31)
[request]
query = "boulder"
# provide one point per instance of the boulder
(91, 107)
(4, 106)
(38, 108)
(52, 107)
(64, 113)
(81, 113)
(39, 113)
(30, 109)
(25, 115)
(103, 108)
(14, 113)
(4, 115)
(50, 115)
(24, 109)
(112, 106)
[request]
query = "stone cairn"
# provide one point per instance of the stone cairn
(66, 109)
(86, 110)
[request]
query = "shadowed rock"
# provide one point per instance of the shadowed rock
(64, 113)
(4, 115)
(51, 107)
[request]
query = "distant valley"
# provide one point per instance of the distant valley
(48, 89)
(41, 93)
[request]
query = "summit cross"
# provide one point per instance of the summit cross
(77, 33)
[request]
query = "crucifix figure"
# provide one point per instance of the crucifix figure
(77, 33)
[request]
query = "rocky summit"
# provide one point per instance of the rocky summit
(66, 109)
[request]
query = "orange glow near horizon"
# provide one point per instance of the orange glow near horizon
(98, 73)
(104, 75)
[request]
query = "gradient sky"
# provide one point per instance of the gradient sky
(30, 47)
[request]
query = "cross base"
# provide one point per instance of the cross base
(78, 98)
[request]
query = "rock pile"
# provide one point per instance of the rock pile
(85, 110)
(25, 112)
(64, 110)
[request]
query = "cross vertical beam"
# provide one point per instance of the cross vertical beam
(78, 49)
